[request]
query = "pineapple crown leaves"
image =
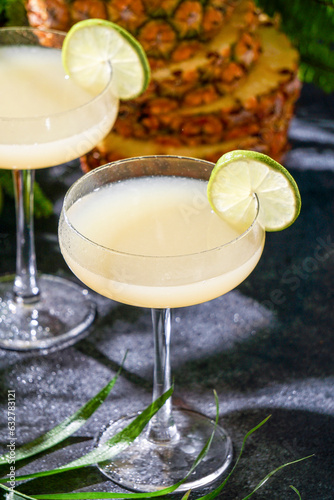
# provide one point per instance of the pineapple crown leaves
(12, 13)
(310, 26)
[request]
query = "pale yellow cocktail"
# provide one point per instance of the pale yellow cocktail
(180, 249)
(50, 119)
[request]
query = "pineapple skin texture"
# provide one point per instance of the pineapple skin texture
(223, 76)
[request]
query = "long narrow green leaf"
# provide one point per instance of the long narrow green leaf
(65, 428)
(16, 493)
(160, 493)
(101, 495)
(296, 491)
(111, 447)
(108, 496)
(186, 495)
(216, 492)
(268, 476)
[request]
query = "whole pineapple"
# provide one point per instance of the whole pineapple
(223, 76)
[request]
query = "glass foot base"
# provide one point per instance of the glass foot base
(146, 466)
(62, 314)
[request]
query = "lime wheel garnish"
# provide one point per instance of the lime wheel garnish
(240, 176)
(96, 51)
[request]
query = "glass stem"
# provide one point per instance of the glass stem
(162, 428)
(25, 284)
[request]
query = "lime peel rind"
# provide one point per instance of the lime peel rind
(240, 175)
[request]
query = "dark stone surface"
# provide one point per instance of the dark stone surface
(266, 348)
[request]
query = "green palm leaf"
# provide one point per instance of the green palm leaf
(65, 428)
(310, 26)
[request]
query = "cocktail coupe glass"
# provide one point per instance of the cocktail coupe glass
(45, 120)
(160, 279)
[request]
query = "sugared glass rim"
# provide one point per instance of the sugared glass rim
(94, 98)
(114, 164)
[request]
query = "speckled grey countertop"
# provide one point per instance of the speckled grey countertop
(266, 347)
